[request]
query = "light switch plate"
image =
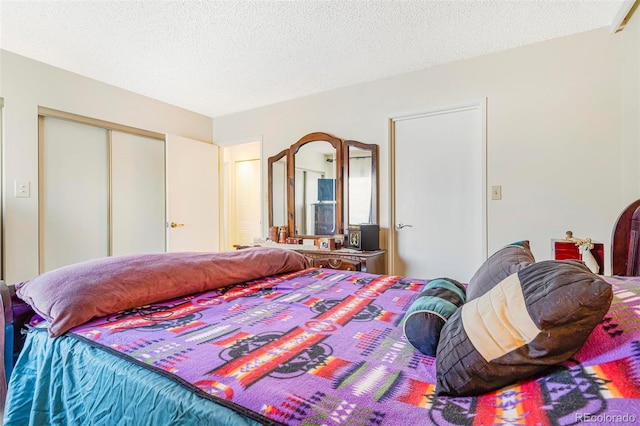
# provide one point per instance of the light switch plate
(22, 189)
(496, 192)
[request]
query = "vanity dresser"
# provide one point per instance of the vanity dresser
(366, 261)
(318, 187)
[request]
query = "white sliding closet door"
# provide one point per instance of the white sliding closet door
(137, 194)
(74, 191)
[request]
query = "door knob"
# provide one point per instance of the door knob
(402, 225)
(177, 225)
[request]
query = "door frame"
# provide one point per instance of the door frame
(479, 104)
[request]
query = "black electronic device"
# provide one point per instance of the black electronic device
(365, 236)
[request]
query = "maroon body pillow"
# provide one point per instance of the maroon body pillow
(74, 294)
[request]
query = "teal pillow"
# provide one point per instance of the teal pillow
(429, 312)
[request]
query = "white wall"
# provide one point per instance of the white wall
(26, 84)
(553, 132)
(562, 136)
(630, 38)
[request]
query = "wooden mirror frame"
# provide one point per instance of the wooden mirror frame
(375, 203)
(282, 154)
(342, 182)
(291, 166)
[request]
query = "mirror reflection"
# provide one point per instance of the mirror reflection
(360, 186)
(315, 189)
(278, 189)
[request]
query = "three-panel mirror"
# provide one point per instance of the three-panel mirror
(308, 179)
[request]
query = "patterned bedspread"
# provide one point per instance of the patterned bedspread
(326, 347)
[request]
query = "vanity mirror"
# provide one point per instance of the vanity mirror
(318, 200)
(278, 188)
(361, 176)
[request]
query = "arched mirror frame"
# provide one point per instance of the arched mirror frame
(291, 165)
(375, 205)
(279, 156)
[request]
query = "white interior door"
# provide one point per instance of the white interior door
(247, 202)
(137, 194)
(192, 195)
(440, 193)
(74, 191)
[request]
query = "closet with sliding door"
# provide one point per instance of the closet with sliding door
(101, 189)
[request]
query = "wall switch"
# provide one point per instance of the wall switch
(496, 192)
(21, 189)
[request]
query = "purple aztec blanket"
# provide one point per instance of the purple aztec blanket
(326, 347)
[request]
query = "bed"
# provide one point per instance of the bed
(283, 343)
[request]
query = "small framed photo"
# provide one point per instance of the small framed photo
(326, 243)
(354, 239)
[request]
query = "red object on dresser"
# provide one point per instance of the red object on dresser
(563, 249)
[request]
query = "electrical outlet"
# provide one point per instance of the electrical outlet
(22, 189)
(496, 192)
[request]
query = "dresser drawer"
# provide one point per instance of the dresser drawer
(370, 261)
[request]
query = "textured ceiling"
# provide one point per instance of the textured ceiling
(220, 57)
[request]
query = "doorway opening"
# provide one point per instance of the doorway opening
(242, 194)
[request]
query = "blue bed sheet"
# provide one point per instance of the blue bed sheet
(63, 381)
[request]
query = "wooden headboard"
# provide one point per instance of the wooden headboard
(625, 242)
